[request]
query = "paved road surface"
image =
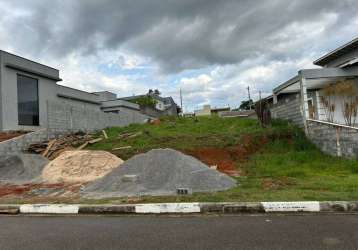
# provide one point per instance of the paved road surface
(205, 232)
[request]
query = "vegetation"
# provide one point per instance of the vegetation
(247, 105)
(349, 101)
(147, 101)
(275, 163)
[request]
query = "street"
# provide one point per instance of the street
(174, 232)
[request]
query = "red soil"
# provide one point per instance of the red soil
(227, 159)
(4, 136)
(16, 190)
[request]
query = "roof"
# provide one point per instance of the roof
(346, 48)
(286, 84)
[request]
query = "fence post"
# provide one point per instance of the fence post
(338, 132)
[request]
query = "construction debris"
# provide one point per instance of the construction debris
(129, 135)
(21, 168)
(120, 148)
(158, 172)
(53, 148)
(105, 134)
(80, 166)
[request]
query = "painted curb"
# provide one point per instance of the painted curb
(49, 209)
(186, 208)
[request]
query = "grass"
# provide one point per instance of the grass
(287, 167)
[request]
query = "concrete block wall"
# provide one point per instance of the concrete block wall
(288, 110)
(325, 138)
(21, 143)
(80, 118)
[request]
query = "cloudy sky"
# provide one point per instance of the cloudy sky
(210, 49)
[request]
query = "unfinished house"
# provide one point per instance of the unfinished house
(31, 99)
(324, 101)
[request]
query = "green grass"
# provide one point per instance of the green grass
(287, 167)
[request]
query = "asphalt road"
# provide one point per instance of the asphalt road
(204, 232)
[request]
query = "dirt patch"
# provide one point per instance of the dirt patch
(228, 159)
(40, 191)
(4, 136)
(274, 184)
(221, 159)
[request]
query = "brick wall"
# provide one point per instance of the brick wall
(325, 138)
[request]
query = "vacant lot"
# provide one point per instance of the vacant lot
(274, 163)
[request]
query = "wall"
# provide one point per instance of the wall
(325, 138)
(47, 88)
(63, 116)
(21, 143)
(288, 108)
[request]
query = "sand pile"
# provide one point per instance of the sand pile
(80, 166)
(159, 172)
(21, 168)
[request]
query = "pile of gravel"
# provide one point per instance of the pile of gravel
(21, 168)
(158, 172)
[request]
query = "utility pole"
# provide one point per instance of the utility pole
(248, 92)
(181, 102)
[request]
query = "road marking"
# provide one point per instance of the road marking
(299, 206)
(49, 209)
(168, 208)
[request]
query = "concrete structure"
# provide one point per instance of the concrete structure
(208, 110)
(243, 114)
(31, 99)
(301, 99)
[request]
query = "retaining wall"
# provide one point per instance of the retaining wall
(325, 137)
(21, 143)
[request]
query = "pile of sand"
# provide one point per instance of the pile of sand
(159, 172)
(80, 166)
(21, 168)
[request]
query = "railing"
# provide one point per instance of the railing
(338, 128)
(333, 124)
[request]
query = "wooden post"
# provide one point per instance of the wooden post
(338, 133)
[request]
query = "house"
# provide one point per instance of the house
(207, 110)
(163, 105)
(324, 100)
(31, 99)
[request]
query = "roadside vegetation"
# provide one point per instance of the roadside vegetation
(273, 163)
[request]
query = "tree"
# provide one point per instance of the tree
(247, 105)
(157, 92)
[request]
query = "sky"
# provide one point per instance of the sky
(212, 50)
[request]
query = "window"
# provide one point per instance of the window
(27, 101)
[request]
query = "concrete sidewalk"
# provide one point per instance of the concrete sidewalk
(186, 208)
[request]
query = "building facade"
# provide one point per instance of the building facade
(31, 98)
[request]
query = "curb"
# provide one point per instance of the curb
(186, 208)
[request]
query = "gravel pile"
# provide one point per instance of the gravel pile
(159, 172)
(21, 168)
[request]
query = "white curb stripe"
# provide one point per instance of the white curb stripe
(168, 208)
(49, 209)
(303, 206)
